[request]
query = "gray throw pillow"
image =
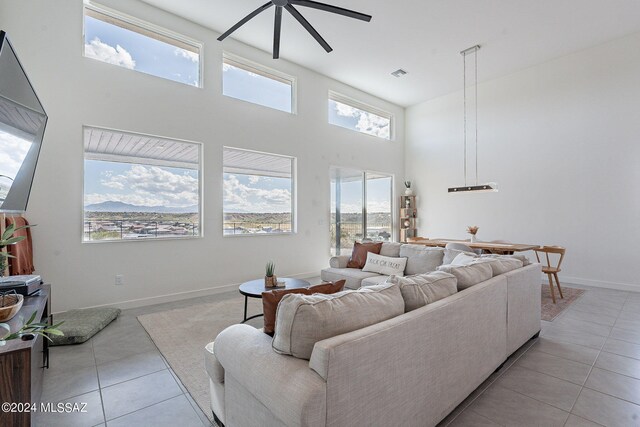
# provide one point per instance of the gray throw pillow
(451, 254)
(422, 289)
(421, 259)
(469, 275)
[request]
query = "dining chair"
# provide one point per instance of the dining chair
(551, 269)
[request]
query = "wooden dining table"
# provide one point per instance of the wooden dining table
(489, 246)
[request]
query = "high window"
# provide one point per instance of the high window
(128, 42)
(259, 193)
(361, 208)
(351, 114)
(140, 187)
(251, 82)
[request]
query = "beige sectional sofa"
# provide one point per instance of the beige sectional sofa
(410, 370)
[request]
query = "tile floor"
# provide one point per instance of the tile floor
(584, 370)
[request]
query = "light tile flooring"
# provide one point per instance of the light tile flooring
(584, 370)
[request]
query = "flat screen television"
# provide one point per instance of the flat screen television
(22, 124)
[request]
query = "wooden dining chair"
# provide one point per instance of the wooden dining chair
(552, 269)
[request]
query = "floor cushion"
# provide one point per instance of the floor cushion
(80, 325)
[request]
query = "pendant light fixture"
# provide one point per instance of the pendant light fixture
(476, 187)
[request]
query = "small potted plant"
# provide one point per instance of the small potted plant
(408, 191)
(473, 229)
(7, 239)
(270, 279)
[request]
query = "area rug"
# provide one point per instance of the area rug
(549, 310)
(181, 335)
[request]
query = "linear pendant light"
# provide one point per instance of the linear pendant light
(475, 188)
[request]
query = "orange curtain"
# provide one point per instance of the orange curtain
(22, 251)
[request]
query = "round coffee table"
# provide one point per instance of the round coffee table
(255, 288)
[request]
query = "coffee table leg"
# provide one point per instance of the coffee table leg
(245, 309)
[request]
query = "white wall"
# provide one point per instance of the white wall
(561, 140)
(77, 91)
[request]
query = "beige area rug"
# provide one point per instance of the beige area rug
(181, 335)
(549, 310)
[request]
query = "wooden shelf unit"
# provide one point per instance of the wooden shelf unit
(408, 218)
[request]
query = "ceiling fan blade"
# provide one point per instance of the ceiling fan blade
(332, 9)
(245, 20)
(293, 11)
(277, 29)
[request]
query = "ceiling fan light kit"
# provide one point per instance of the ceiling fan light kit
(288, 5)
(491, 187)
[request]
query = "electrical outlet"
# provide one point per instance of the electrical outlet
(119, 279)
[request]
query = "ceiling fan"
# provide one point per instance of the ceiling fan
(289, 6)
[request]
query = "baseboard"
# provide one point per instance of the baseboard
(596, 283)
(179, 296)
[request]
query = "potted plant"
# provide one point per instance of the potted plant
(408, 191)
(7, 239)
(270, 279)
(29, 330)
(473, 229)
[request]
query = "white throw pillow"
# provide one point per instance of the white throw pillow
(450, 254)
(384, 265)
(422, 289)
(303, 320)
(523, 258)
(464, 258)
(469, 275)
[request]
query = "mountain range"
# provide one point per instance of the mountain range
(110, 206)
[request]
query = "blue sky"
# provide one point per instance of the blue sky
(256, 194)
(378, 196)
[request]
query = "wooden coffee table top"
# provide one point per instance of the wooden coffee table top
(255, 288)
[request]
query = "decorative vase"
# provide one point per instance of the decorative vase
(270, 281)
(473, 238)
(408, 192)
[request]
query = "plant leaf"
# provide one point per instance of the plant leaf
(8, 231)
(32, 318)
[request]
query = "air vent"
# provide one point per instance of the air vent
(399, 73)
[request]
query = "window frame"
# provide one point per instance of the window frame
(368, 108)
(264, 71)
(147, 29)
(294, 196)
(200, 146)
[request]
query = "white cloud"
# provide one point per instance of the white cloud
(243, 198)
(191, 56)
(368, 123)
(254, 179)
(148, 186)
(13, 151)
(106, 53)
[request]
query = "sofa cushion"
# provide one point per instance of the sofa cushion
(421, 259)
(391, 249)
(469, 275)
(464, 258)
(523, 258)
(303, 320)
(270, 300)
(422, 289)
(502, 265)
(359, 253)
(385, 265)
(353, 276)
(451, 254)
(375, 280)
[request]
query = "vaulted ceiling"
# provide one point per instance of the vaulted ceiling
(423, 37)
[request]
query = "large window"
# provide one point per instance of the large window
(351, 114)
(251, 82)
(140, 187)
(121, 40)
(259, 191)
(361, 208)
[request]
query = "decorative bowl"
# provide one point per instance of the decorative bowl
(12, 304)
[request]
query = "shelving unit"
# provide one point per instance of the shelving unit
(408, 218)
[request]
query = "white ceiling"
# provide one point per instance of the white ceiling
(423, 37)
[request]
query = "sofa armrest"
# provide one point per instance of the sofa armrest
(293, 392)
(340, 261)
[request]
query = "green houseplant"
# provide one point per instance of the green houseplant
(29, 330)
(270, 279)
(8, 239)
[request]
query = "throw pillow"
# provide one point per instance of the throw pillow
(270, 300)
(502, 265)
(422, 289)
(385, 265)
(464, 258)
(360, 251)
(303, 320)
(451, 254)
(469, 275)
(421, 259)
(523, 258)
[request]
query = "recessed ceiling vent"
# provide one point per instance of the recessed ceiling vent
(399, 73)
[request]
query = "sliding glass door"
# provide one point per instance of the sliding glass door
(361, 208)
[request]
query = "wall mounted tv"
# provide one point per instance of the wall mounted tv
(22, 124)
